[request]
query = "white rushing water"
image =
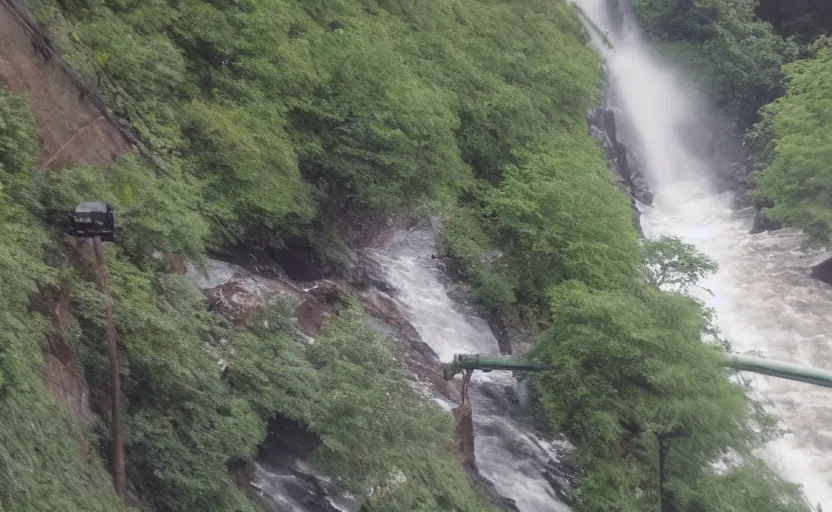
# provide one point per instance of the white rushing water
(763, 295)
(515, 459)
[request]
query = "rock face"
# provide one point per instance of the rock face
(421, 360)
(761, 223)
(822, 271)
(509, 330)
(234, 292)
(623, 160)
(280, 479)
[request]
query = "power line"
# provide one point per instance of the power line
(43, 42)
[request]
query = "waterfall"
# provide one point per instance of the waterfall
(763, 295)
(522, 465)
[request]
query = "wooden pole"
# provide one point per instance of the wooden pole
(119, 474)
(662, 454)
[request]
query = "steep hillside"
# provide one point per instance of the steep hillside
(271, 123)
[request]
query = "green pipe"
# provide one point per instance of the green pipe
(778, 369)
(744, 363)
(487, 363)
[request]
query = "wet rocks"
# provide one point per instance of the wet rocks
(234, 292)
(562, 474)
(822, 270)
(282, 480)
(623, 160)
(421, 360)
(509, 330)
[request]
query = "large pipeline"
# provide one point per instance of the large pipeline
(778, 369)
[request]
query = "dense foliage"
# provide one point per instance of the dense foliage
(794, 147)
(265, 113)
(184, 420)
(803, 19)
(636, 367)
(34, 475)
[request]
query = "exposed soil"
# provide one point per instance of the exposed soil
(72, 131)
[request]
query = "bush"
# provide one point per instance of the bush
(34, 475)
(793, 139)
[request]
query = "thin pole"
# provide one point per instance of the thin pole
(119, 474)
(662, 455)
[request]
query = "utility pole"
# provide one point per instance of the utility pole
(662, 437)
(119, 474)
(96, 220)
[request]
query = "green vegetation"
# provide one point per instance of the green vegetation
(34, 475)
(635, 366)
(792, 140)
(184, 421)
(269, 113)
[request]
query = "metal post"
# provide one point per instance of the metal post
(664, 505)
(119, 474)
(662, 455)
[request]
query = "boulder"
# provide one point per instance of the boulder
(235, 292)
(761, 223)
(822, 269)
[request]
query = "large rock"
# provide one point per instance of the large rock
(822, 269)
(623, 160)
(235, 292)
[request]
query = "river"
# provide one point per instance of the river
(764, 298)
(519, 462)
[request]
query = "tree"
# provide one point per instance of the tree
(671, 264)
(793, 137)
